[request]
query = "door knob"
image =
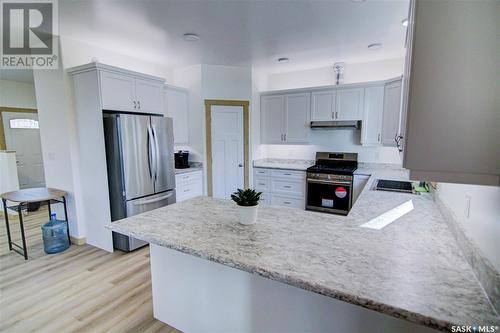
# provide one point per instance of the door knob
(240, 165)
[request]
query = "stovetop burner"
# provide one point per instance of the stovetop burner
(335, 163)
(340, 170)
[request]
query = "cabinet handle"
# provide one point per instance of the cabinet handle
(262, 183)
(135, 105)
(333, 115)
(287, 174)
(379, 137)
(139, 104)
(286, 202)
(336, 115)
(284, 137)
(287, 186)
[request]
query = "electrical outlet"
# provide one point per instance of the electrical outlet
(467, 206)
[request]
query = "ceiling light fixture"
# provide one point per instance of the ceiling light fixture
(404, 22)
(191, 37)
(283, 60)
(375, 46)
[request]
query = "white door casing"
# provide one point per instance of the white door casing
(227, 150)
(26, 143)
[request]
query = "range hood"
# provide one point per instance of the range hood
(355, 124)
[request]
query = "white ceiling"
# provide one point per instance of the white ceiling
(240, 33)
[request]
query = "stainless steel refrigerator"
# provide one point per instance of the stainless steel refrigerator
(140, 162)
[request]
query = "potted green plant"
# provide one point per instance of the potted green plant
(248, 202)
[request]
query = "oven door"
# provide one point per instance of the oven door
(329, 196)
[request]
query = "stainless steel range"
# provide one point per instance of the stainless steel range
(330, 182)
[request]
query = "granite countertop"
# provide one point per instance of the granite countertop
(193, 166)
(280, 163)
(410, 269)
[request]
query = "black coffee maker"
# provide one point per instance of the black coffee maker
(181, 159)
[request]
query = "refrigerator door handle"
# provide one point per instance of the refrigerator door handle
(152, 153)
(157, 153)
(148, 201)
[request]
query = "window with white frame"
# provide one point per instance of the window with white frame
(24, 123)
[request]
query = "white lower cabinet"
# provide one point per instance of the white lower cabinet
(285, 188)
(188, 185)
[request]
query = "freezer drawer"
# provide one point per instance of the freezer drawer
(151, 202)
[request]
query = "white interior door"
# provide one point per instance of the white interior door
(22, 134)
(227, 150)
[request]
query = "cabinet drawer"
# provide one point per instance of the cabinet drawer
(288, 187)
(261, 172)
(262, 184)
(265, 198)
(188, 178)
(188, 191)
(289, 174)
(284, 201)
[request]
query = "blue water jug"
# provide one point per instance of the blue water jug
(55, 235)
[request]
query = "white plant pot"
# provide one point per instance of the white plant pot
(248, 214)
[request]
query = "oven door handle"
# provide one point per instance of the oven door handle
(329, 182)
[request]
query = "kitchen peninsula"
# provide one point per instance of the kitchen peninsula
(304, 271)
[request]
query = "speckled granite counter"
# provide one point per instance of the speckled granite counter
(280, 163)
(193, 166)
(411, 269)
(187, 170)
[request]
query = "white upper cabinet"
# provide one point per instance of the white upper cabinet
(392, 113)
(176, 107)
(453, 121)
(149, 96)
(371, 126)
(349, 104)
(297, 118)
(323, 105)
(271, 119)
(124, 92)
(117, 92)
(285, 118)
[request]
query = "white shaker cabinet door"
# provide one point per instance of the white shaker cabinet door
(297, 117)
(271, 119)
(149, 96)
(371, 126)
(323, 105)
(392, 112)
(117, 92)
(176, 101)
(349, 104)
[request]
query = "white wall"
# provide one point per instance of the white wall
(57, 135)
(77, 53)
(209, 82)
(483, 224)
(332, 139)
(358, 72)
(16, 94)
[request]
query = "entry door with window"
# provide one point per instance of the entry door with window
(22, 134)
(227, 150)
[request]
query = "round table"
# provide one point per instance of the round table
(22, 198)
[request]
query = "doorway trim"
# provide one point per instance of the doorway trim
(3, 145)
(208, 130)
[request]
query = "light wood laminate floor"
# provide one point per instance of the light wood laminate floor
(83, 289)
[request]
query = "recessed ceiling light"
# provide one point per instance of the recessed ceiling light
(375, 46)
(404, 22)
(283, 60)
(191, 37)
